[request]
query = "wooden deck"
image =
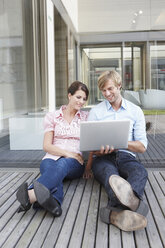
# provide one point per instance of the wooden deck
(154, 157)
(79, 225)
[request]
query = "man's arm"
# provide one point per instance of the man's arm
(136, 146)
(139, 133)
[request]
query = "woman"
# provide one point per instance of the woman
(63, 158)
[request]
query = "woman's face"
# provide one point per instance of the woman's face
(78, 99)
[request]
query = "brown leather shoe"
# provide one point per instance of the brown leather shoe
(124, 192)
(127, 220)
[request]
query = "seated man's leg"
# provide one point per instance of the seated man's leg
(125, 220)
(103, 167)
(130, 192)
(133, 171)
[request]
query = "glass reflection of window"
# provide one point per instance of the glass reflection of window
(157, 66)
(127, 57)
(132, 68)
(95, 61)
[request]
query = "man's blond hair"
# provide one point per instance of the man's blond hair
(109, 75)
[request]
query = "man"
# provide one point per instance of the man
(123, 177)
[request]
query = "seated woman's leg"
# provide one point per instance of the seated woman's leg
(50, 182)
(52, 177)
(58, 193)
(53, 173)
(44, 166)
(75, 169)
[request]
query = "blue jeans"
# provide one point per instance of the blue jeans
(53, 172)
(124, 165)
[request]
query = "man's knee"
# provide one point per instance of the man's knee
(145, 172)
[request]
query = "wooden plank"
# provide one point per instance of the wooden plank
(163, 175)
(9, 214)
(6, 181)
(141, 239)
(11, 220)
(66, 231)
(157, 227)
(102, 228)
(115, 239)
(41, 233)
(10, 188)
(158, 192)
(16, 227)
(4, 175)
(90, 229)
(78, 230)
(152, 233)
(80, 224)
(57, 224)
(160, 180)
(31, 229)
(128, 240)
(45, 225)
(10, 201)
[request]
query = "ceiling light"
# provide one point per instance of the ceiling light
(140, 12)
(133, 21)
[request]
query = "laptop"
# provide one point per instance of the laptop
(94, 134)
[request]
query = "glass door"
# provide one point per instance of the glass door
(132, 68)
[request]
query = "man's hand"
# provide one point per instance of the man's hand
(104, 150)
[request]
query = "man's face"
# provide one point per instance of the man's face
(110, 91)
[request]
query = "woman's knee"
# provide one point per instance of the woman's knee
(46, 164)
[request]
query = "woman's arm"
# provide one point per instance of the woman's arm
(57, 151)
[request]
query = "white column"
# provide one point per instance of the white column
(51, 55)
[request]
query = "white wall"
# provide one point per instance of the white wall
(71, 7)
(10, 12)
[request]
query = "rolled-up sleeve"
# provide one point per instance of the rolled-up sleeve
(49, 122)
(140, 128)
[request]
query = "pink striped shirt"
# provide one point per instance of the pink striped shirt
(66, 136)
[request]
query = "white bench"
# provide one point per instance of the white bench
(152, 99)
(26, 132)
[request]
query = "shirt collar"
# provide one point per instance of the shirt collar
(59, 112)
(123, 104)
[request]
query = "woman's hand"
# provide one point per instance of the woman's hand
(76, 156)
(57, 151)
(87, 174)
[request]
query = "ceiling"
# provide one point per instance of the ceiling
(95, 16)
